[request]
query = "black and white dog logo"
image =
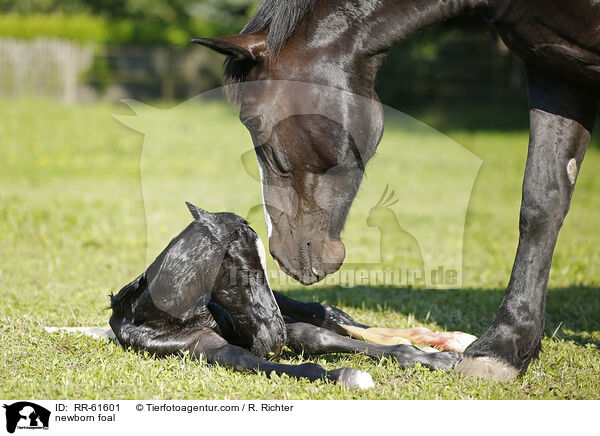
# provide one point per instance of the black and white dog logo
(26, 415)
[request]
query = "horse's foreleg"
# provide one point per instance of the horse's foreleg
(313, 340)
(561, 119)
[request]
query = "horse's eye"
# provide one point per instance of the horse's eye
(253, 123)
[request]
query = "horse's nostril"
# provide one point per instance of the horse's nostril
(333, 256)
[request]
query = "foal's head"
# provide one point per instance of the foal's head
(308, 101)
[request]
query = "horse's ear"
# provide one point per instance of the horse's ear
(248, 46)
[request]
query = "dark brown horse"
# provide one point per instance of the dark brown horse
(340, 44)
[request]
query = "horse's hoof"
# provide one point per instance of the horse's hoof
(488, 368)
(355, 379)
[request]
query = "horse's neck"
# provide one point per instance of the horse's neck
(358, 34)
(377, 25)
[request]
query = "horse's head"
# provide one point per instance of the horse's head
(315, 121)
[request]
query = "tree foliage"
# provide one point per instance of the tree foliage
(221, 14)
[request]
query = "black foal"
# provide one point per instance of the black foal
(207, 294)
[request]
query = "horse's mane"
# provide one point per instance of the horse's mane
(279, 18)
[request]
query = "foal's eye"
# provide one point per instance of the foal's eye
(253, 123)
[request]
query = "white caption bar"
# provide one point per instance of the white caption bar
(287, 418)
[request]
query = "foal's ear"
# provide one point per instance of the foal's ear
(248, 46)
(196, 212)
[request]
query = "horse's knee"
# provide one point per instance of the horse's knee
(542, 211)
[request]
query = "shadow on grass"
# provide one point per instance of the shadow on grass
(575, 309)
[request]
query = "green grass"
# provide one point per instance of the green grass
(73, 229)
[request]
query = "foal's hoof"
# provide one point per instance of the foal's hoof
(354, 379)
(443, 359)
(488, 368)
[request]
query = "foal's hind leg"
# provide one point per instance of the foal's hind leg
(164, 340)
(562, 116)
(312, 340)
(334, 319)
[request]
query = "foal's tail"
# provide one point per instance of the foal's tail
(117, 302)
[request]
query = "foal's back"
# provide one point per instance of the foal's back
(210, 276)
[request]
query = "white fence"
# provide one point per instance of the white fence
(69, 71)
(44, 66)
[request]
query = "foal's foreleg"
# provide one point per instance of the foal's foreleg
(336, 320)
(207, 344)
(561, 121)
(318, 314)
(314, 340)
(241, 359)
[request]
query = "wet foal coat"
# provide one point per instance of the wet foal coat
(207, 294)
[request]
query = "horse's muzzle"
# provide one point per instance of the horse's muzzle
(311, 261)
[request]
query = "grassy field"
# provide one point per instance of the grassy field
(76, 224)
